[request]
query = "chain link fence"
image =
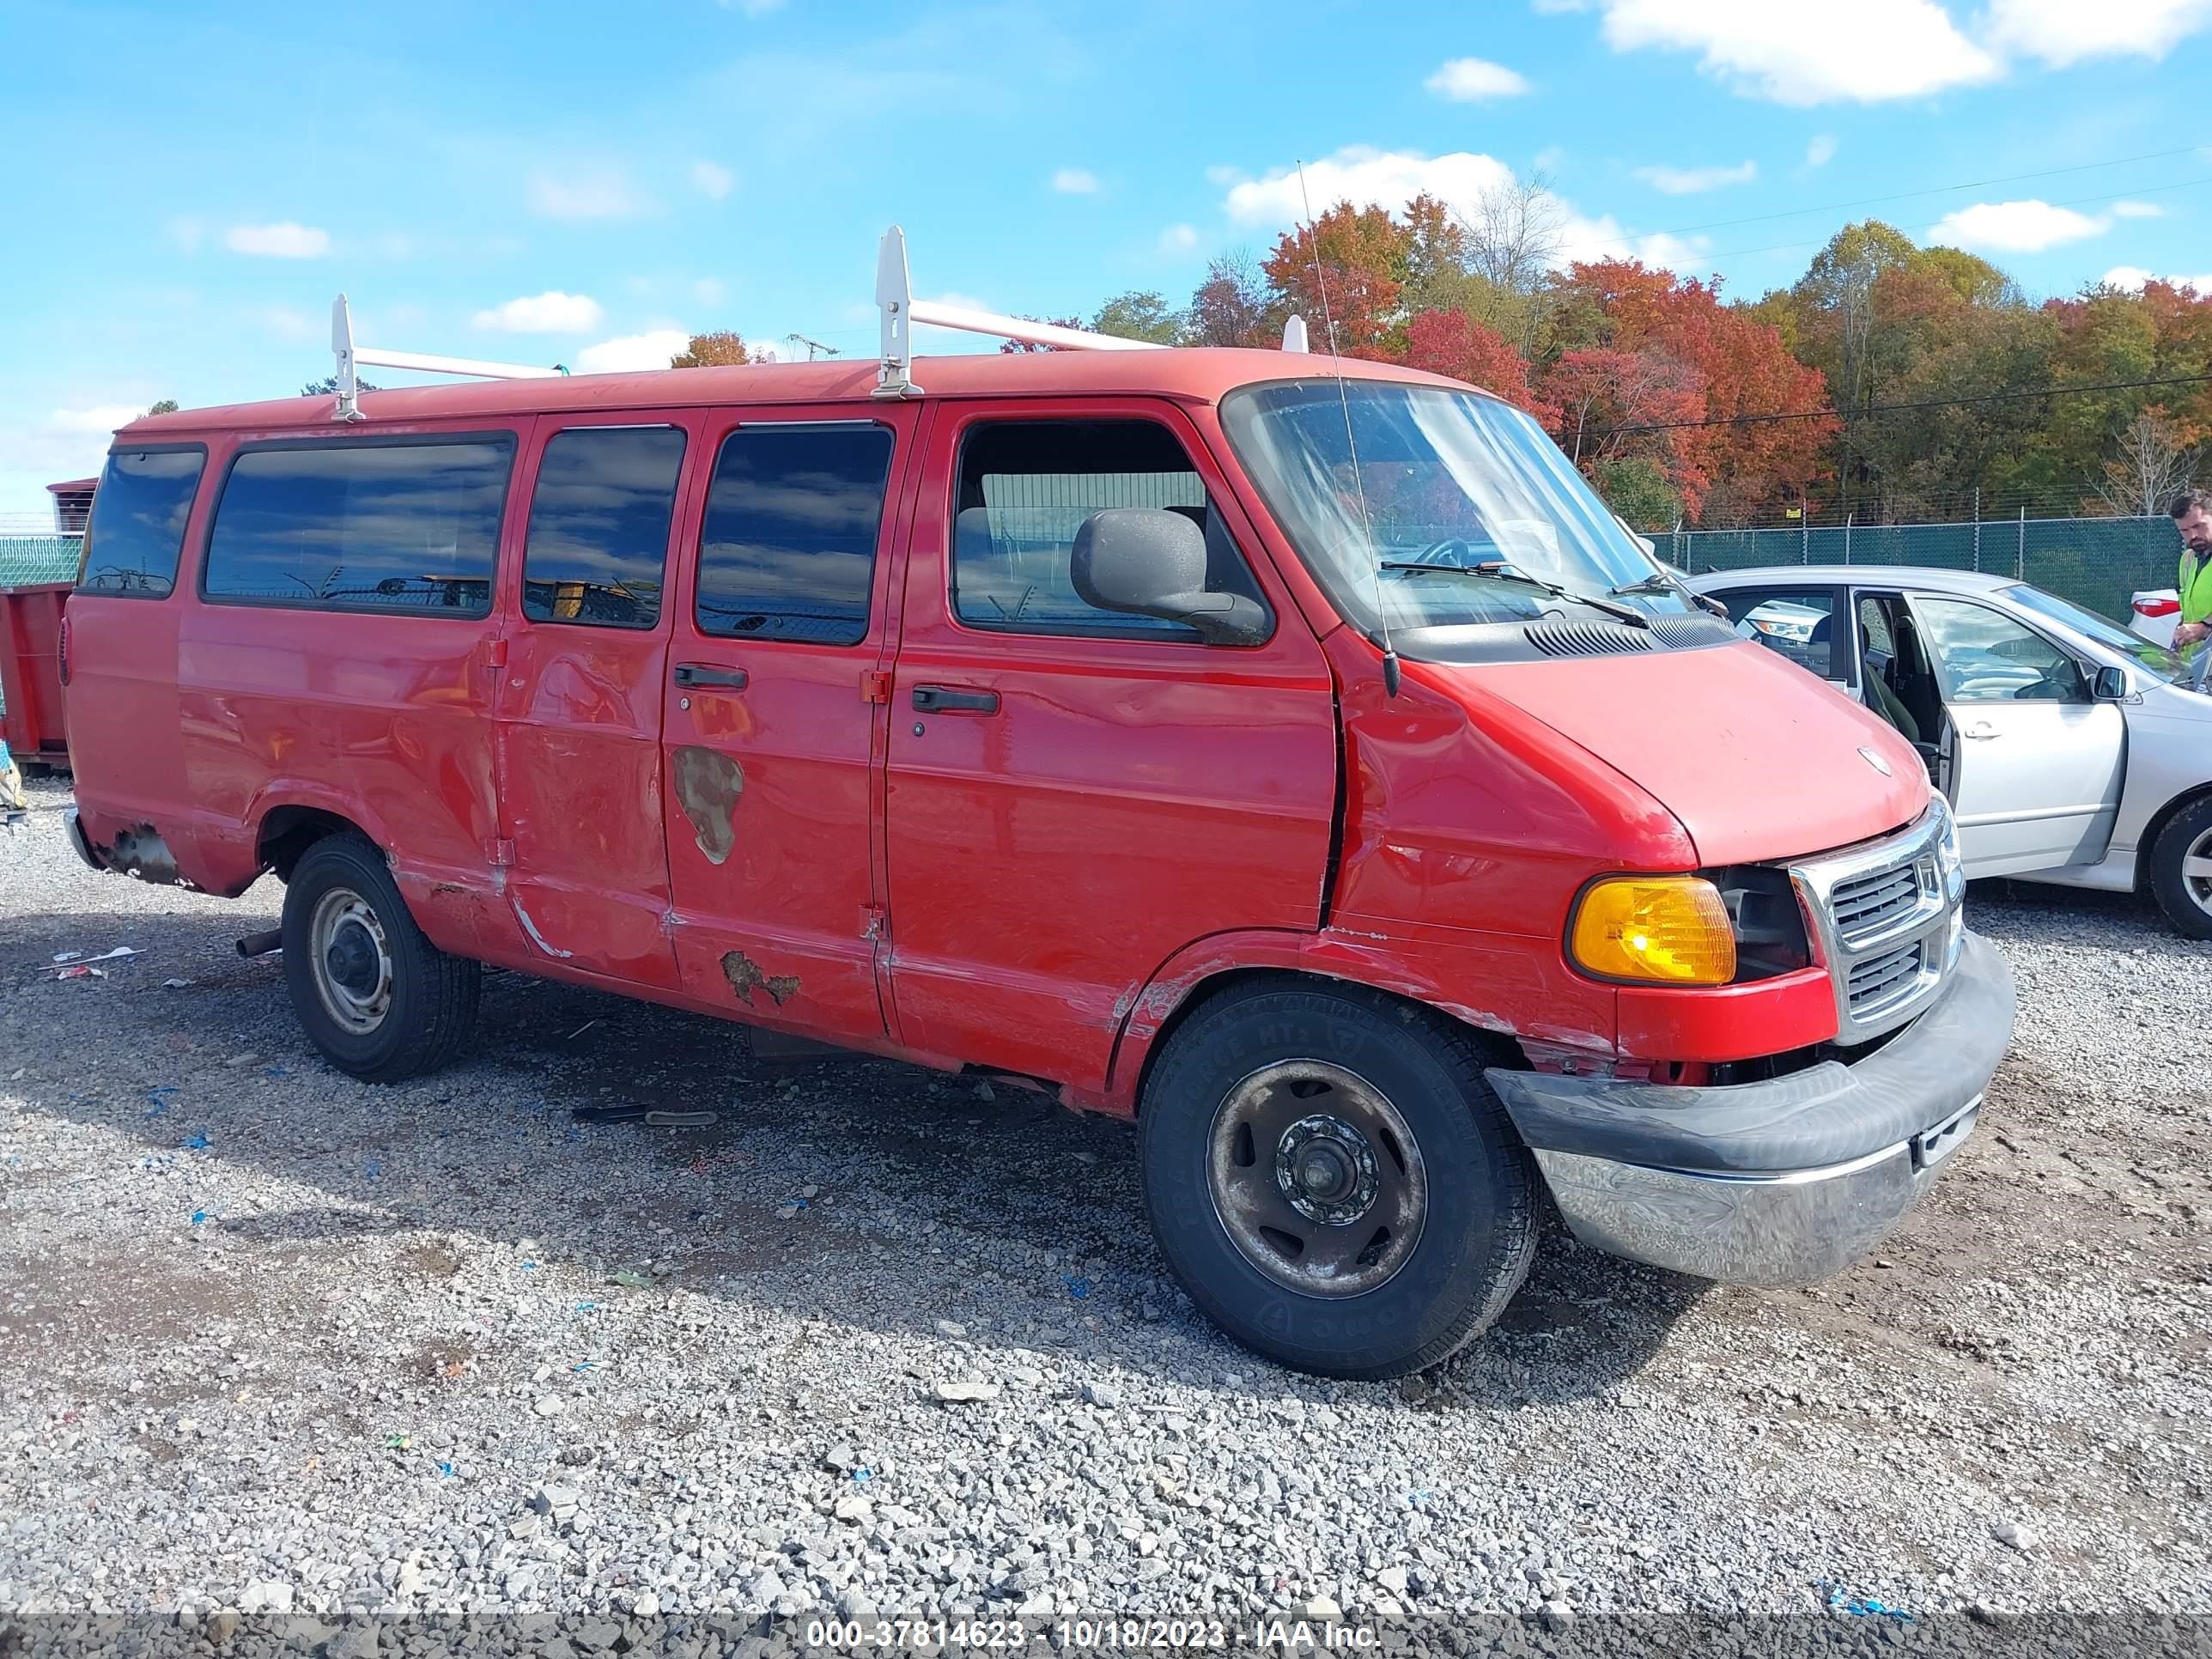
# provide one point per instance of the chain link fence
(2096, 562)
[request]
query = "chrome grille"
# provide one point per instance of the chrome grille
(1880, 981)
(1863, 904)
(1886, 917)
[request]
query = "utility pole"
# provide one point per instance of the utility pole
(1978, 529)
(814, 348)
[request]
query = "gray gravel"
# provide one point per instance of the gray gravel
(274, 1342)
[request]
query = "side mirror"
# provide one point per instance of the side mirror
(1149, 562)
(2111, 684)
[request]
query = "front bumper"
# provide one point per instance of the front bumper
(1779, 1183)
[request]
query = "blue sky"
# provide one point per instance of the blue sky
(581, 183)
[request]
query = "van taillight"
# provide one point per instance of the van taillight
(63, 653)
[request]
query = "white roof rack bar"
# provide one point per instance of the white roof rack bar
(350, 356)
(901, 311)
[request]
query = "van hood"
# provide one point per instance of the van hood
(1757, 758)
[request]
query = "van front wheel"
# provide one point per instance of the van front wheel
(374, 995)
(1332, 1180)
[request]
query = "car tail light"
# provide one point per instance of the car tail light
(2156, 607)
(61, 649)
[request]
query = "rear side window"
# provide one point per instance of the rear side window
(1025, 488)
(138, 517)
(788, 550)
(599, 525)
(409, 527)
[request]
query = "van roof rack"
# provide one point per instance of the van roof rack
(894, 297)
(349, 356)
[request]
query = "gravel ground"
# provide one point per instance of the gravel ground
(274, 1342)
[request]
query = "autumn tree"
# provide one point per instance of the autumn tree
(723, 349)
(1233, 307)
(1451, 343)
(1346, 271)
(2149, 467)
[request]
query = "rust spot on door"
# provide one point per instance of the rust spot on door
(745, 977)
(708, 784)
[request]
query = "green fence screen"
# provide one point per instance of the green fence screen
(2096, 562)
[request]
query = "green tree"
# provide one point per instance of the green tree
(1636, 487)
(1139, 314)
(166, 406)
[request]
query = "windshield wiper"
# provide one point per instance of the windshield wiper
(1660, 582)
(1494, 572)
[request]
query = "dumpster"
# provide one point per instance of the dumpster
(30, 673)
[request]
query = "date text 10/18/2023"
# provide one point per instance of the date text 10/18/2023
(1004, 1636)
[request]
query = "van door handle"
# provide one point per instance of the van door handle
(945, 700)
(699, 673)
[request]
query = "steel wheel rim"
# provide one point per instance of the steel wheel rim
(1316, 1178)
(2197, 872)
(351, 960)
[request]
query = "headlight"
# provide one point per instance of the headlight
(1668, 930)
(1949, 864)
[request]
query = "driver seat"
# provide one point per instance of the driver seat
(1883, 700)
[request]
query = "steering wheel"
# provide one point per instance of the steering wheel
(1455, 545)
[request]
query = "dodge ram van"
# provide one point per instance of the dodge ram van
(1293, 757)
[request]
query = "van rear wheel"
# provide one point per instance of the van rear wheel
(374, 995)
(1333, 1182)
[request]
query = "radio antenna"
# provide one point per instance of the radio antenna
(1351, 442)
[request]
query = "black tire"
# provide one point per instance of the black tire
(2187, 833)
(1469, 1251)
(410, 1009)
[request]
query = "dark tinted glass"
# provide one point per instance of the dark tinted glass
(351, 526)
(789, 543)
(1797, 623)
(599, 525)
(1025, 488)
(139, 521)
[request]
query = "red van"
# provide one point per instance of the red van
(1301, 762)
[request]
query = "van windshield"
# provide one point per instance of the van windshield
(1450, 479)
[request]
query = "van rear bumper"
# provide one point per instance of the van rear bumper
(1779, 1183)
(77, 839)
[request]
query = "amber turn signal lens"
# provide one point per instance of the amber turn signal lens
(1669, 930)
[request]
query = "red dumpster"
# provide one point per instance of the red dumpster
(30, 672)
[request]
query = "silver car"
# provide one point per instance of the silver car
(2072, 750)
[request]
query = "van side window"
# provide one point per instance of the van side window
(787, 550)
(138, 526)
(599, 525)
(1026, 487)
(333, 526)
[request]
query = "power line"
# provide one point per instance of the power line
(1893, 408)
(1934, 190)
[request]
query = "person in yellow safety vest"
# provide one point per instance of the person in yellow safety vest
(2192, 516)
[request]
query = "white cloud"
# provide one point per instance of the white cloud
(1820, 151)
(1390, 179)
(2137, 211)
(2062, 32)
(279, 241)
(1178, 239)
(1809, 51)
(1222, 177)
(1691, 181)
(100, 419)
(1471, 80)
(2026, 226)
(625, 352)
(707, 291)
(1366, 178)
(1075, 181)
(2132, 277)
(713, 180)
(591, 193)
(550, 313)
